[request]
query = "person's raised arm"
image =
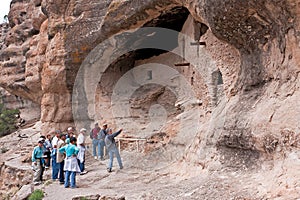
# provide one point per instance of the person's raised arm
(117, 133)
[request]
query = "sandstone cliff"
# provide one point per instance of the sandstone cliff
(242, 73)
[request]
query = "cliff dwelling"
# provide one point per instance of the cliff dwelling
(206, 94)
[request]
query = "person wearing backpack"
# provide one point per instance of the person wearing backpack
(101, 137)
(112, 149)
(95, 141)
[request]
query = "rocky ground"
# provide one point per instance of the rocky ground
(165, 183)
(145, 176)
(134, 182)
(243, 74)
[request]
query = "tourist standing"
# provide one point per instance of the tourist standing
(60, 158)
(55, 165)
(55, 138)
(101, 138)
(70, 132)
(37, 162)
(71, 165)
(112, 149)
(81, 147)
(47, 150)
(95, 141)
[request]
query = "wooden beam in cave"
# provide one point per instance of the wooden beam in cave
(182, 64)
(198, 43)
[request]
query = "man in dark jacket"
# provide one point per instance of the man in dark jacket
(112, 149)
(101, 138)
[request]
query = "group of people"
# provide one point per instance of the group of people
(67, 152)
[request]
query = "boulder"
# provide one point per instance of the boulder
(23, 193)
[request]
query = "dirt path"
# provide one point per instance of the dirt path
(132, 182)
(135, 183)
(151, 176)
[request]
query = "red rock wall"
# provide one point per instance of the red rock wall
(254, 44)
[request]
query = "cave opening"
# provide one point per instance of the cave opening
(131, 93)
(144, 100)
(173, 19)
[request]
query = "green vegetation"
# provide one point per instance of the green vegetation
(4, 149)
(7, 120)
(36, 195)
(5, 18)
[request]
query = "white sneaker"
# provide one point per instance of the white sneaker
(82, 173)
(95, 157)
(37, 183)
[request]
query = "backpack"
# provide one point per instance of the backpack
(91, 134)
(108, 142)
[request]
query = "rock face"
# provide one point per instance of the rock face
(15, 166)
(29, 111)
(24, 192)
(240, 60)
(17, 178)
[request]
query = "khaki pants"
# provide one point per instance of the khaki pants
(37, 176)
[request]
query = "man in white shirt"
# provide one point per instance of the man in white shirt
(60, 157)
(55, 165)
(55, 138)
(81, 147)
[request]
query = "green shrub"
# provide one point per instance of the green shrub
(4, 149)
(7, 120)
(36, 195)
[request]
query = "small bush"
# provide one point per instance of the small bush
(7, 120)
(36, 195)
(4, 149)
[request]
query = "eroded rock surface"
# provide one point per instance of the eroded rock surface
(241, 60)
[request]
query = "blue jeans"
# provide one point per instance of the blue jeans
(81, 165)
(96, 143)
(111, 153)
(55, 167)
(72, 176)
(102, 145)
(61, 172)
